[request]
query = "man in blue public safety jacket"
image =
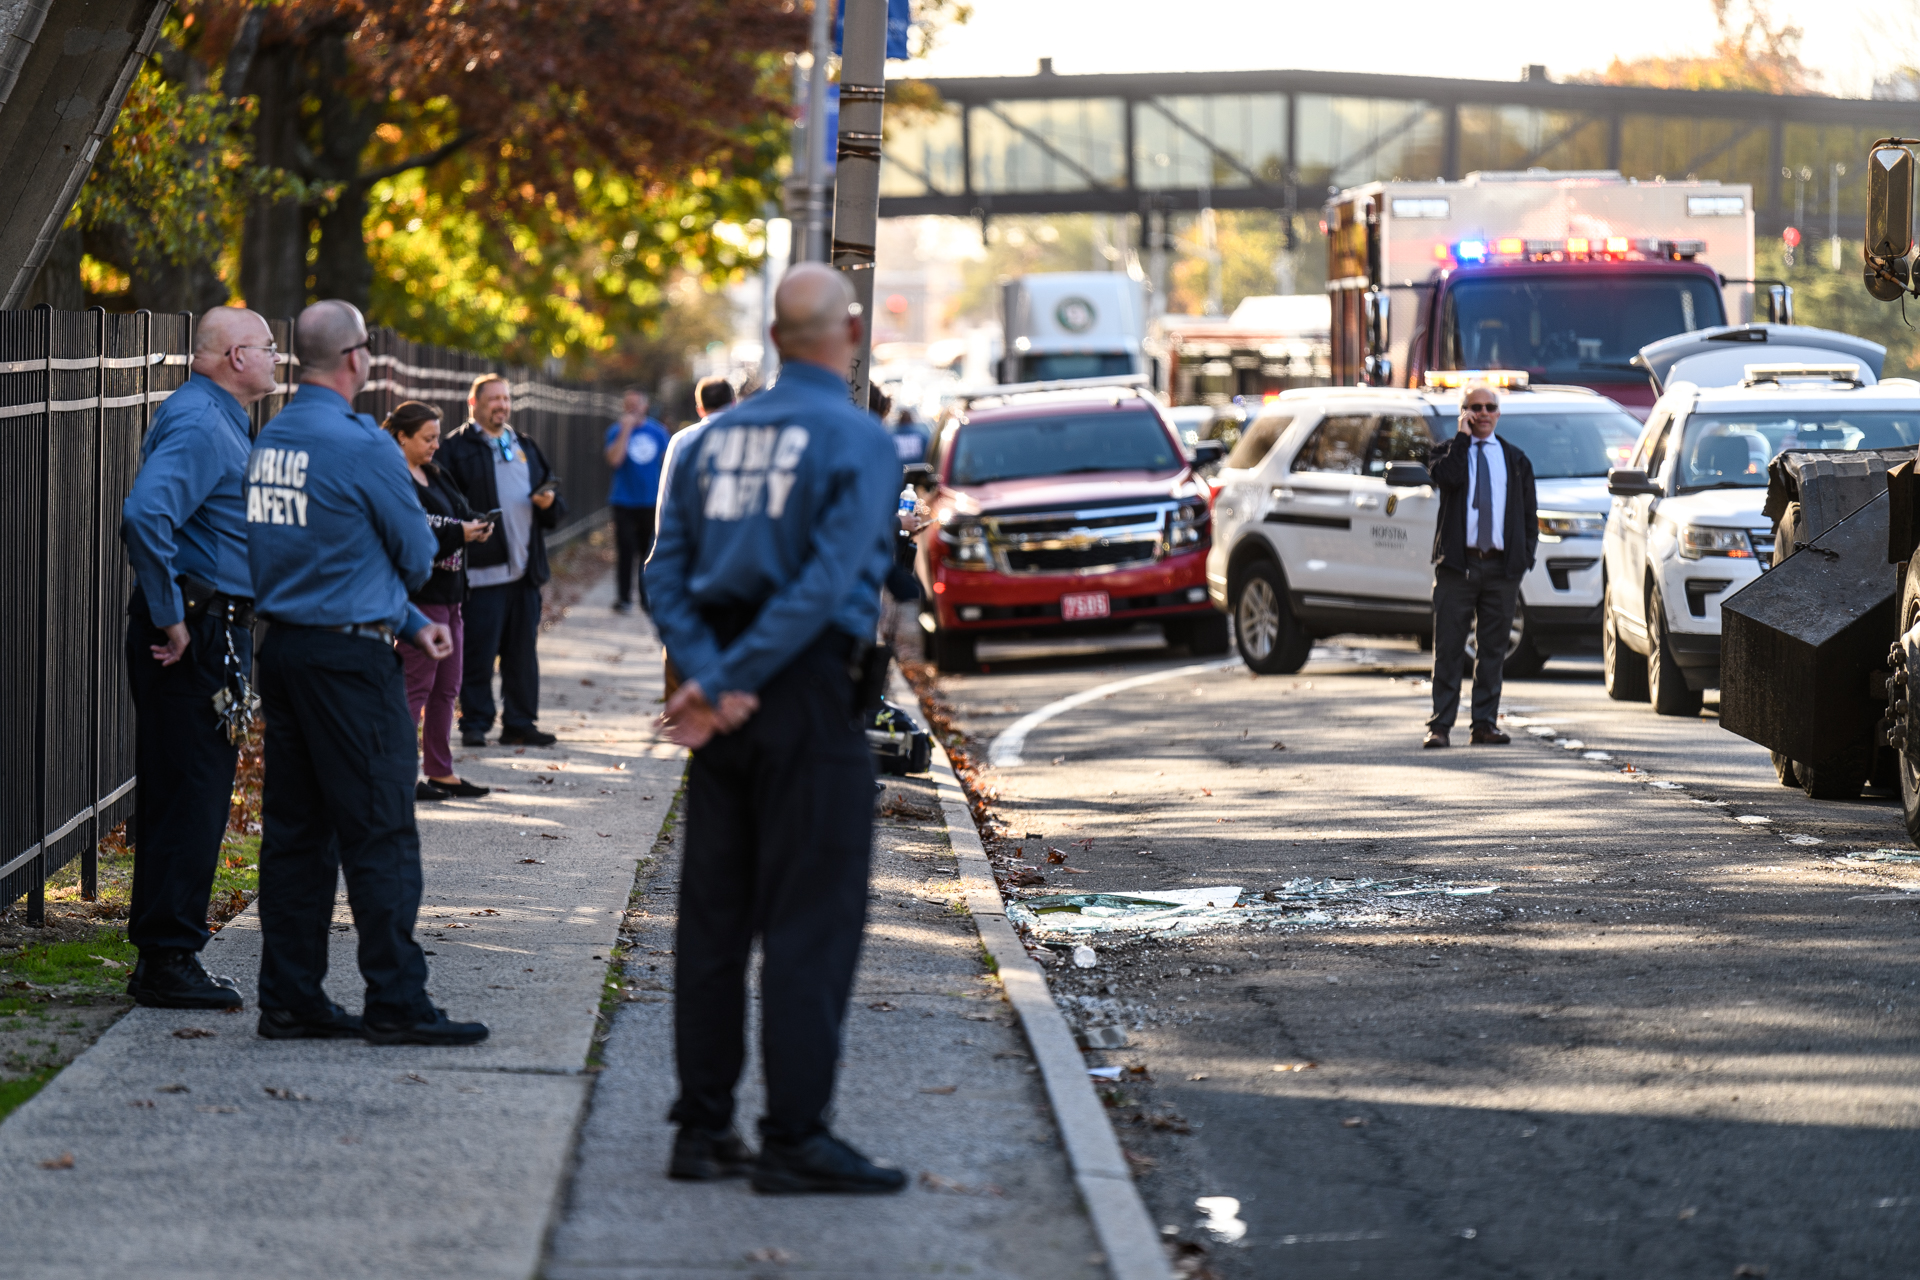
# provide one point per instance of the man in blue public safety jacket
(188, 645)
(777, 527)
(336, 539)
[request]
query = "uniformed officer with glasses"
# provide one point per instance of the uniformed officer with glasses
(336, 540)
(190, 651)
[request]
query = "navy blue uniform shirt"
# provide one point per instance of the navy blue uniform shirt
(786, 501)
(336, 535)
(187, 513)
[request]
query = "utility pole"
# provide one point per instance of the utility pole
(1835, 172)
(813, 243)
(856, 188)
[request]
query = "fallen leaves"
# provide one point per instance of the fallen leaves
(484, 911)
(141, 1102)
(1278, 746)
(940, 1088)
(1295, 1066)
(1354, 1122)
(935, 1182)
(62, 1161)
(194, 1033)
(769, 1254)
(285, 1095)
(538, 862)
(111, 964)
(1139, 1162)
(548, 835)
(412, 1077)
(218, 1110)
(1056, 856)
(1199, 1075)
(173, 1088)
(883, 1006)
(1075, 871)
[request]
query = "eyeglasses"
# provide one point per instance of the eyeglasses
(365, 344)
(271, 348)
(1480, 408)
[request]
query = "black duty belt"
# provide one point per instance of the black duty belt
(366, 630)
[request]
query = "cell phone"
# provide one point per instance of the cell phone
(550, 485)
(492, 517)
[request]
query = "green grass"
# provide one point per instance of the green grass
(13, 1093)
(238, 870)
(80, 964)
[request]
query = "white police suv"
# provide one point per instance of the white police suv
(1311, 539)
(1686, 528)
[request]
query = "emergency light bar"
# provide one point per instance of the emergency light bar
(1762, 374)
(1572, 249)
(1454, 379)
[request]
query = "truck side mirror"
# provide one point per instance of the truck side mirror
(1626, 482)
(1407, 475)
(1889, 221)
(1208, 451)
(1779, 304)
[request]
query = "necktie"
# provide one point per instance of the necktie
(1482, 499)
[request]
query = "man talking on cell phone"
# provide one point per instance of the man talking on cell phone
(498, 468)
(778, 526)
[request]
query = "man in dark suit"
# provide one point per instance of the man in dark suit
(1483, 545)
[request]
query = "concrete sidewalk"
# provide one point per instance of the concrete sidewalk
(213, 1153)
(378, 1162)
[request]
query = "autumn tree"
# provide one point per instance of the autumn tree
(1752, 52)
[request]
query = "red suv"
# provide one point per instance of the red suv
(1065, 511)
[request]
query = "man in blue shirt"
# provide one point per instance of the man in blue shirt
(777, 529)
(635, 445)
(184, 523)
(336, 540)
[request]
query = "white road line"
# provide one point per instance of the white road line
(1004, 751)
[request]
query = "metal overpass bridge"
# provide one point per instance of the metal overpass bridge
(1283, 140)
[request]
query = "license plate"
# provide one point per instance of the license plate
(1084, 604)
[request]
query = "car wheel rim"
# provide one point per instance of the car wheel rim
(1259, 618)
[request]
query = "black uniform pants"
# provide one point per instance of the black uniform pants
(185, 766)
(339, 797)
(779, 829)
(501, 622)
(633, 543)
(1479, 602)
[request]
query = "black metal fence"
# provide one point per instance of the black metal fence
(77, 390)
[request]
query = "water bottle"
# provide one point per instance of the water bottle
(909, 501)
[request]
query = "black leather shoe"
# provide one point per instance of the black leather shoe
(1435, 738)
(702, 1155)
(526, 738)
(1490, 737)
(139, 972)
(424, 790)
(173, 979)
(438, 1030)
(333, 1023)
(822, 1163)
(623, 606)
(460, 788)
(478, 739)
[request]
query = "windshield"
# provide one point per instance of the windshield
(985, 452)
(1562, 446)
(1062, 365)
(1731, 450)
(1574, 329)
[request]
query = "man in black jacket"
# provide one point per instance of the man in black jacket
(499, 469)
(1483, 545)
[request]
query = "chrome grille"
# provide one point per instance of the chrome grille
(1095, 540)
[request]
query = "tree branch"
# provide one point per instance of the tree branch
(426, 160)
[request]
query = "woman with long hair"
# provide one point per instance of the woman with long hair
(433, 685)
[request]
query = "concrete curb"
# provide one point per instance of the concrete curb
(1120, 1220)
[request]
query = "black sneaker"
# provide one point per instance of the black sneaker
(823, 1163)
(173, 979)
(474, 738)
(437, 1030)
(332, 1023)
(702, 1155)
(526, 738)
(424, 790)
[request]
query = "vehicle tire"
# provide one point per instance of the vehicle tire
(1902, 734)
(1205, 636)
(1787, 771)
(1625, 670)
(953, 652)
(1666, 684)
(1838, 778)
(1270, 641)
(1524, 661)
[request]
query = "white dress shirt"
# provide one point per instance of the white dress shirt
(1497, 474)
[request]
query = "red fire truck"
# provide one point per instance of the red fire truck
(1563, 274)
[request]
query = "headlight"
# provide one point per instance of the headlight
(1187, 524)
(1700, 540)
(1572, 524)
(965, 538)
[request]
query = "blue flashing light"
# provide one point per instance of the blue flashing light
(1471, 251)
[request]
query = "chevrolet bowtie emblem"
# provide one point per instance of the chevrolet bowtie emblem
(1080, 541)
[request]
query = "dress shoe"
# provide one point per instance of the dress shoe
(331, 1023)
(703, 1155)
(437, 1030)
(173, 979)
(459, 788)
(526, 738)
(1492, 737)
(424, 790)
(1436, 738)
(474, 739)
(623, 606)
(133, 979)
(822, 1163)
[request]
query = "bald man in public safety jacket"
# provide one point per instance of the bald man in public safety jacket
(336, 539)
(778, 527)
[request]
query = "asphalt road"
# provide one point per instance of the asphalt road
(1672, 1042)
